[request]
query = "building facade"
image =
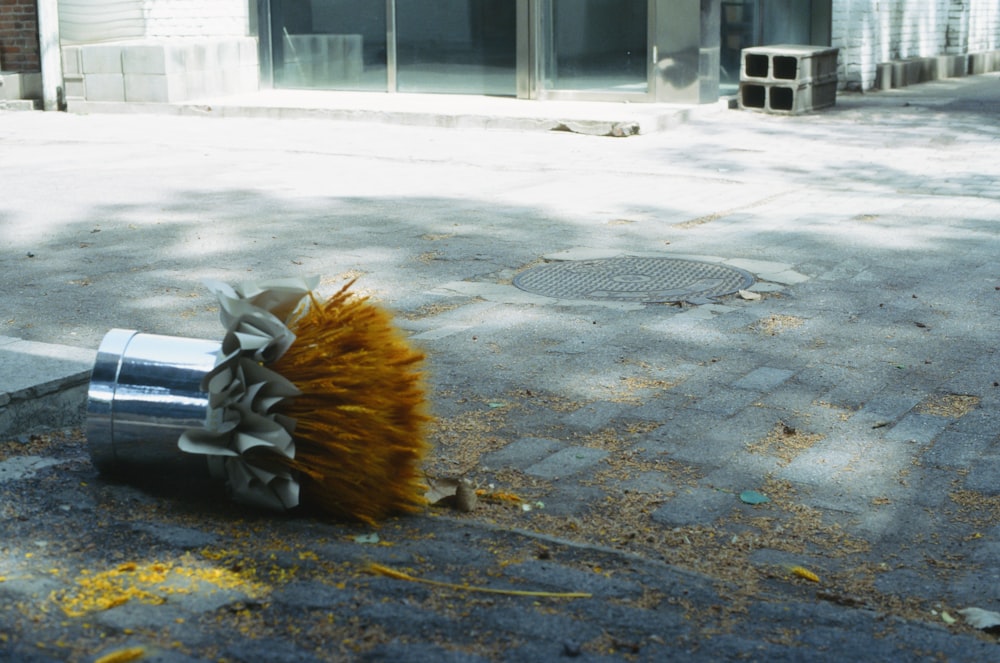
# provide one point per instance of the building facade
(684, 51)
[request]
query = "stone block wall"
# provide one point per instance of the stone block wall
(160, 70)
(158, 51)
(873, 34)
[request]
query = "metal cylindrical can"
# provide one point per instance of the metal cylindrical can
(145, 390)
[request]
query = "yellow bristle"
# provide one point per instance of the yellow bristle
(803, 572)
(360, 432)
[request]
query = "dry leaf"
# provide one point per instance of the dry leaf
(465, 496)
(439, 490)
(985, 620)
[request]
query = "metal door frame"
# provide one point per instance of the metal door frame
(534, 48)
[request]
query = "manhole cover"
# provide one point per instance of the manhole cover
(634, 279)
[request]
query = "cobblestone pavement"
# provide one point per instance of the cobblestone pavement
(854, 386)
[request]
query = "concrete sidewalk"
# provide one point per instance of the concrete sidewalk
(853, 385)
(452, 111)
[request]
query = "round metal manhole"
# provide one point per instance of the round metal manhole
(634, 279)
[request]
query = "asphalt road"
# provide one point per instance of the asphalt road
(853, 385)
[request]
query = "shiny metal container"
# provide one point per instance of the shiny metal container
(145, 390)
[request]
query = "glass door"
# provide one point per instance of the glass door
(463, 46)
(329, 44)
(592, 48)
(571, 49)
(460, 46)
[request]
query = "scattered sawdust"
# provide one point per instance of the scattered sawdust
(949, 405)
(843, 413)
(331, 284)
(775, 324)
(430, 310)
(460, 441)
(620, 222)
(629, 387)
(436, 237)
(784, 442)
(337, 281)
(707, 218)
(864, 218)
(42, 444)
(976, 509)
(622, 468)
(428, 257)
(620, 439)
(701, 220)
(150, 583)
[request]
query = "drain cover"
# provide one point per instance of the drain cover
(634, 279)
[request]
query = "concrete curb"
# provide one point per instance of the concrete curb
(594, 119)
(45, 385)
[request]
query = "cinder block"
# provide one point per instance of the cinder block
(71, 60)
(101, 59)
(75, 88)
(105, 87)
(31, 85)
(194, 83)
(983, 63)
(144, 59)
(249, 55)
(947, 66)
(146, 88)
(789, 63)
(177, 57)
(787, 99)
(213, 82)
(226, 54)
(883, 76)
(10, 86)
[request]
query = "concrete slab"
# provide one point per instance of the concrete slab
(43, 385)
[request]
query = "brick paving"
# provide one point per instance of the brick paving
(858, 393)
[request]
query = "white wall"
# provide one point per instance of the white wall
(89, 21)
(196, 18)
(982, 29)
(100, 20)
(872, 31)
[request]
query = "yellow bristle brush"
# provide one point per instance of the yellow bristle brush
(318, 400)
(361, 416)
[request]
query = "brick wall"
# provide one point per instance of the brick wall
(872, 31)
(19, 36)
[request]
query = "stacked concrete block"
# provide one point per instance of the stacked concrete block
(161, 71)
(788, 78)
(910, 71)
(984, 62)
(18, 86)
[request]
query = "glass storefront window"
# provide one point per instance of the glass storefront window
(595, 45)
(531, 49)
(464, 46)
(329, 44)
